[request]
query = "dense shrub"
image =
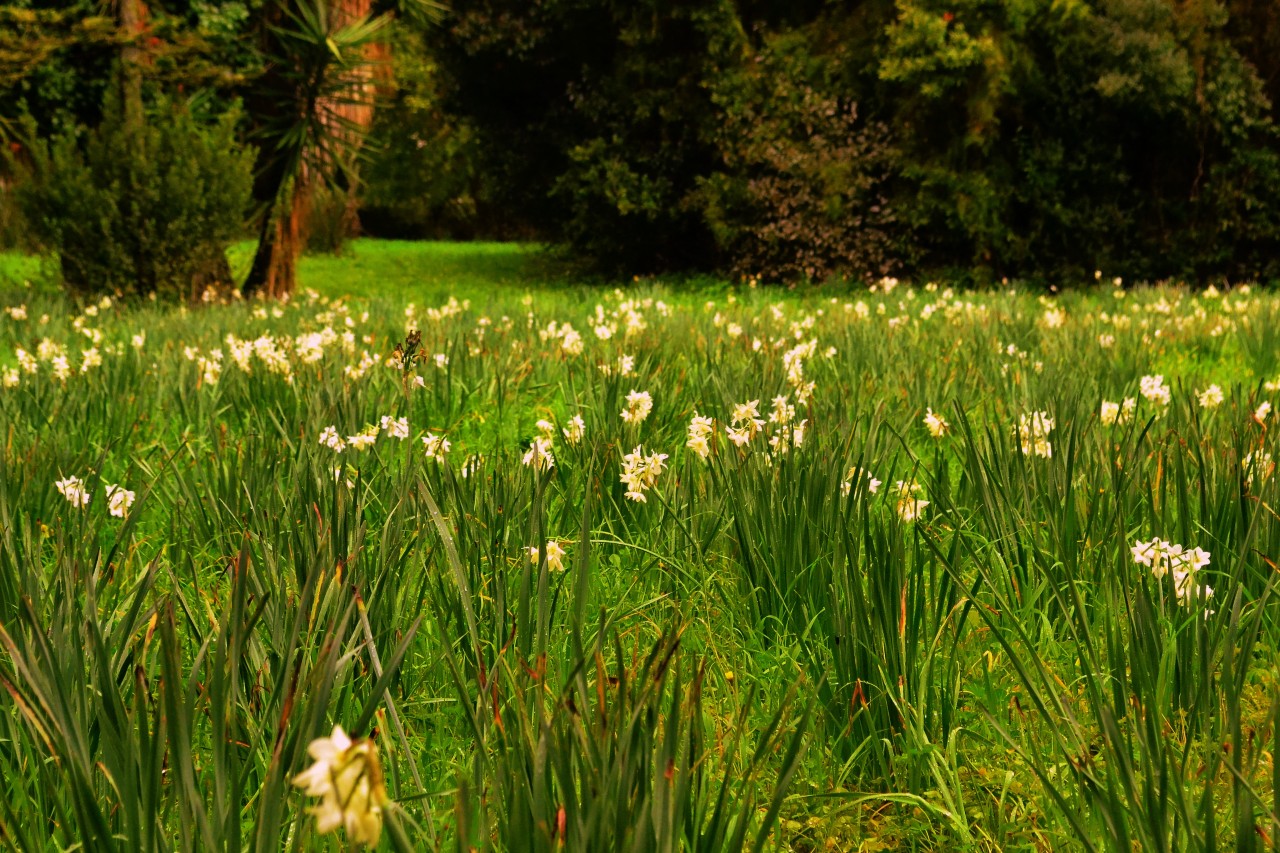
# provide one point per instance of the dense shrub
(1050, 139)
(1038, 139)
(424, 178)
(596, 118)
(145, 209)
(802, 190)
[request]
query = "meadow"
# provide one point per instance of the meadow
(699, 566)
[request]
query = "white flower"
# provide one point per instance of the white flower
(1154, 389)
(1210, 397)
(436, 446)
(745, 422)
(539, 456)
(72, 488)
(1110, 413)
(639, 405)
(873, 485)
(395, 427)
(640, 472)
(210, 370)
(347, 777)
(61, 368)
(1033, 434)
(782, 413)
(364, 439)
(909, 506)
(576, 429)
(701, 433)
(1165, 558)
(555, 555)
(11, 377)
(937, 426)
(1257, 466)
(119, 499)
(1261, 413)
(329, 438)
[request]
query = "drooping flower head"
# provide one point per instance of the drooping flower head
(347, 777)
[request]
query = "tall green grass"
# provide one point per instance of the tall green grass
(754, 657)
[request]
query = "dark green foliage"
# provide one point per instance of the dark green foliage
(1019, 138)
(424, 178)
(596, 118)
(1051, 139)
(142, 210)
(802, 189)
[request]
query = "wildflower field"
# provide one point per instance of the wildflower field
(709, 568)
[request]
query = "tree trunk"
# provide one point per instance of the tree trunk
(274, 273)
(133, 22)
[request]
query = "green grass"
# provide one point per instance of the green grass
(419, 270)
(755, 656)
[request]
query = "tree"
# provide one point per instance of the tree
(310, 108)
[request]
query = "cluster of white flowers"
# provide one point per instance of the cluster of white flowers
(640, 472)
(1165, 558)
(1154, 390)
(574, 430)
(119, 499)
(907, 502)
(744, 422)
(702, 431)
(539, 456)
(1033, 434)
(347, 777)
(625, 366)
(1211, 397)
(73, 489)
(1117, 414)
(329, 438)
(793, 363)
(364, 439)
(570, 341)
(436, 446)
(639, 405)
(1257, 466)
(855, 473)
(395, 427)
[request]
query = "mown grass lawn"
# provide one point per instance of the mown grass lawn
(666, 566)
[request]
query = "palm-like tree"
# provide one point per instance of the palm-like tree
(310, 106)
